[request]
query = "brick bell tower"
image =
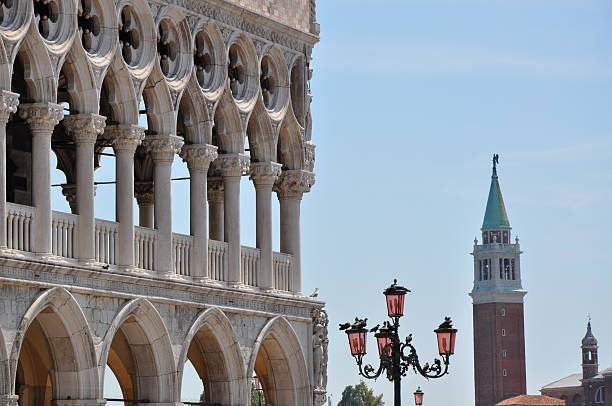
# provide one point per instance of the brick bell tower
(497, 297)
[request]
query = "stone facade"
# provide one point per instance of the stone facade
(499, 332)
(79, 294)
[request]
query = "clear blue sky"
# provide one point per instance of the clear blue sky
(411, 99)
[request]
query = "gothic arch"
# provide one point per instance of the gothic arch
(261, 134)
(212, 347)
(118, 93)
(70, 344)
(80, 84)
(278, 353)
(137, 348)
(40, 81)
(161, 114)
(228, 125)
(290, 148)
(192, 109)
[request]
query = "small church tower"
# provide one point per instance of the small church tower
(590, 365)
(497, 297)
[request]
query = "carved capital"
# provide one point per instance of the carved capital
(162, 147)
(41, 117)
(198, 156)
(84, 128)
(215, 192)
(69, 192)
(125, 137)
(8, 105)
(292, 184)
(144, 193)
(232, 165)
(9, 400)
(264, 173)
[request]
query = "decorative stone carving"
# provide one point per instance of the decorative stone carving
(309, 156)
(215, 190)
(198, 156)
(233, 164)
(264, 173)
(8, 104)
(320, 323)
(84, 128)
(144, 193)
(162, 147)
(9, 400)
(41, 116)
(125, 138)
(69, 192)
(292, 184)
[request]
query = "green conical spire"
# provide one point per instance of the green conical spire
(495, 215)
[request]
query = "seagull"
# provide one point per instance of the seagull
(344, 326)
(315, 294)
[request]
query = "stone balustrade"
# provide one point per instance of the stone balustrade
(19, 226)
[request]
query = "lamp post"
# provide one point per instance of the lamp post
(418, 397)
(397, 356)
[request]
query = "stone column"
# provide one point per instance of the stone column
(8, 105)
(162, 149)
(85, 129)
(9, 400)
(198, 158)
(232, 167)
(125, 139)
(145, 200)
(215, 200)
(42, 119)
(290, 187)
(263, 175)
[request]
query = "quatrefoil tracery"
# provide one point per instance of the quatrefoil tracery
(236, 72)
(166, 48)
(202, 60)
(46, 11)
(5, 5)
(89, 25)
(128, 36)
(267, 82)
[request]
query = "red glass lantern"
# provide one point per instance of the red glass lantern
(357, 340)
(383, 340)
(418, 397)
(257, 383)
(395, 299)
(446, 337)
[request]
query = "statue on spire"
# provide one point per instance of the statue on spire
(495, 161)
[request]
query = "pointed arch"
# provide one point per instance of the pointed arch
(143, 360)
(213, 348)
(261, 135)
(287, 379)
(40, 84)
(290, 148)
(194, 122)
(78, 78)
(5, 68)
(228, 125)
(118, 100)
(69, 340)
(161, 114)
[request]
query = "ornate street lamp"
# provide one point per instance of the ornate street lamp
(259, 389)
(397, 356)
(418, 397)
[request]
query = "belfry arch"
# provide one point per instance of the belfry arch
(53, 356)
(277, 360)
(137, 349)
(213, 349)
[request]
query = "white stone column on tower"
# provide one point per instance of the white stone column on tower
(8, 105)
(264, 175)
(125, 138)
(198, 158)
(215, 201)
(85, 129)
(290, 187)
(41, 119)
(232, 167)
(162, 149)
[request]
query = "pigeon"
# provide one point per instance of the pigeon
(447, 323)
(409, 338)
(359, 324)
(375, 328)
(315, 294)
(344, 326)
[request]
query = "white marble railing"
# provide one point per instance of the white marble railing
(217, 260)
(182, 247)
(249, 261)
(63, 234)
(144, 247)
(19, 226)
(107, 241)
(282, 264)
